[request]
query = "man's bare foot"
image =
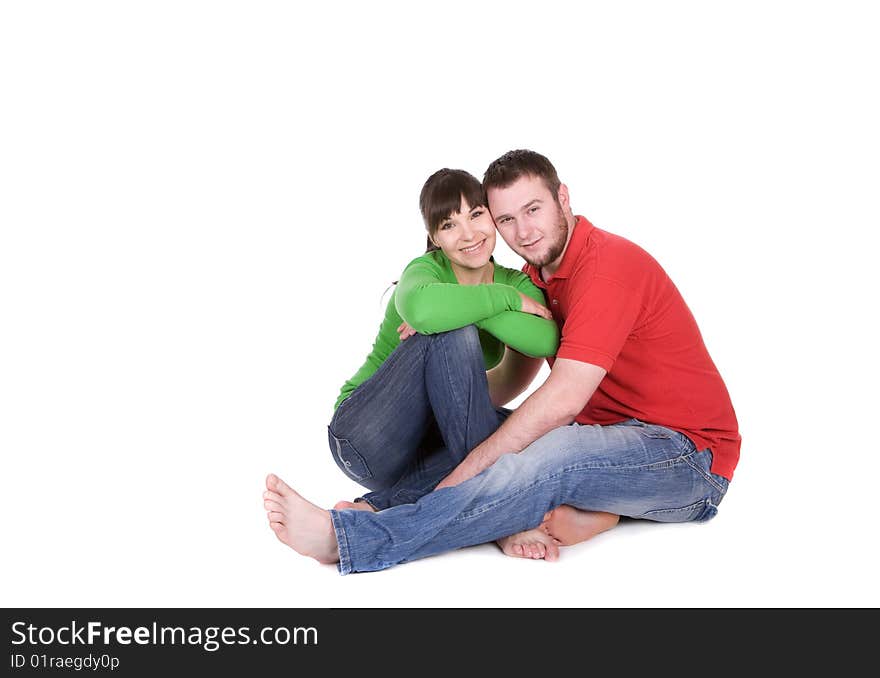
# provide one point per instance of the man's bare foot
(535, 544)
(569, 525)
(298, 523)
(356, 505)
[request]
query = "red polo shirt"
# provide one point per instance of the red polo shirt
(617, 308)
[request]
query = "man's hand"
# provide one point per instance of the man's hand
(405, 331)
(457, 476)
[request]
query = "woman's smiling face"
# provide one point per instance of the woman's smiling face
(467, 237)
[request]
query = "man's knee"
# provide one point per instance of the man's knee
(523, 468)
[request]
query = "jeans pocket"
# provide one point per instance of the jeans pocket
(348, 458)
(654, 431)
(699, 511)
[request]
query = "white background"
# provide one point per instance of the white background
(202, 204)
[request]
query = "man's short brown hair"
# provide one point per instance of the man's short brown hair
(515, 164)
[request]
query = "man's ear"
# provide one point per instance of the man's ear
(562, 197)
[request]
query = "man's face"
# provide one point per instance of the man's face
(530, 219)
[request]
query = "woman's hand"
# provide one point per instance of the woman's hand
(405, 331)
(529, 305)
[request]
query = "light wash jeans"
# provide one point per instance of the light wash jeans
(631, 469)
(416, 418)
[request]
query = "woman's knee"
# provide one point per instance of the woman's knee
(461, 341)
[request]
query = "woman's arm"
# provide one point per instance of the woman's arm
(430, 306)
(533, 336)
(528, 334)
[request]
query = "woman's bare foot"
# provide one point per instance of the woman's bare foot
(298, 523)
(355, 505)
(535, 544)
(569, 525)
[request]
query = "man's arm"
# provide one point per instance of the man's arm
(511, 376)
(556, 403)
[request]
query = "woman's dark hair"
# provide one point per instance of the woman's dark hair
(441, 197)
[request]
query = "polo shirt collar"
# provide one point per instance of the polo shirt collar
(579, 236)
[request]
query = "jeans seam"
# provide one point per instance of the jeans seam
(658, 465)
(705, 476)
(452, 383)
(344, 566)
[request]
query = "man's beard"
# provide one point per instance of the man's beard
(556, 244)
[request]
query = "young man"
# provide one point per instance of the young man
(634, 418)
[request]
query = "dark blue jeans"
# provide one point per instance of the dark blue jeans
(412, 422)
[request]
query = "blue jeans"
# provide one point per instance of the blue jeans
(631, 469)
(413, 421)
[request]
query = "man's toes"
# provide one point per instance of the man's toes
(278, 529)
(273, 496)
(276, 517)
(270, 505)
(275, 484)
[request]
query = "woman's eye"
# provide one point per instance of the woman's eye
(446, 226)
(476, 213)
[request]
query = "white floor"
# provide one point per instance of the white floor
(171, 531)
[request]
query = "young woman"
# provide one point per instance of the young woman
(461, 337)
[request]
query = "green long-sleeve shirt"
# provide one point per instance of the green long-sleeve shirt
(429, 298)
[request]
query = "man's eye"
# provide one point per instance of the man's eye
(533, 209)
